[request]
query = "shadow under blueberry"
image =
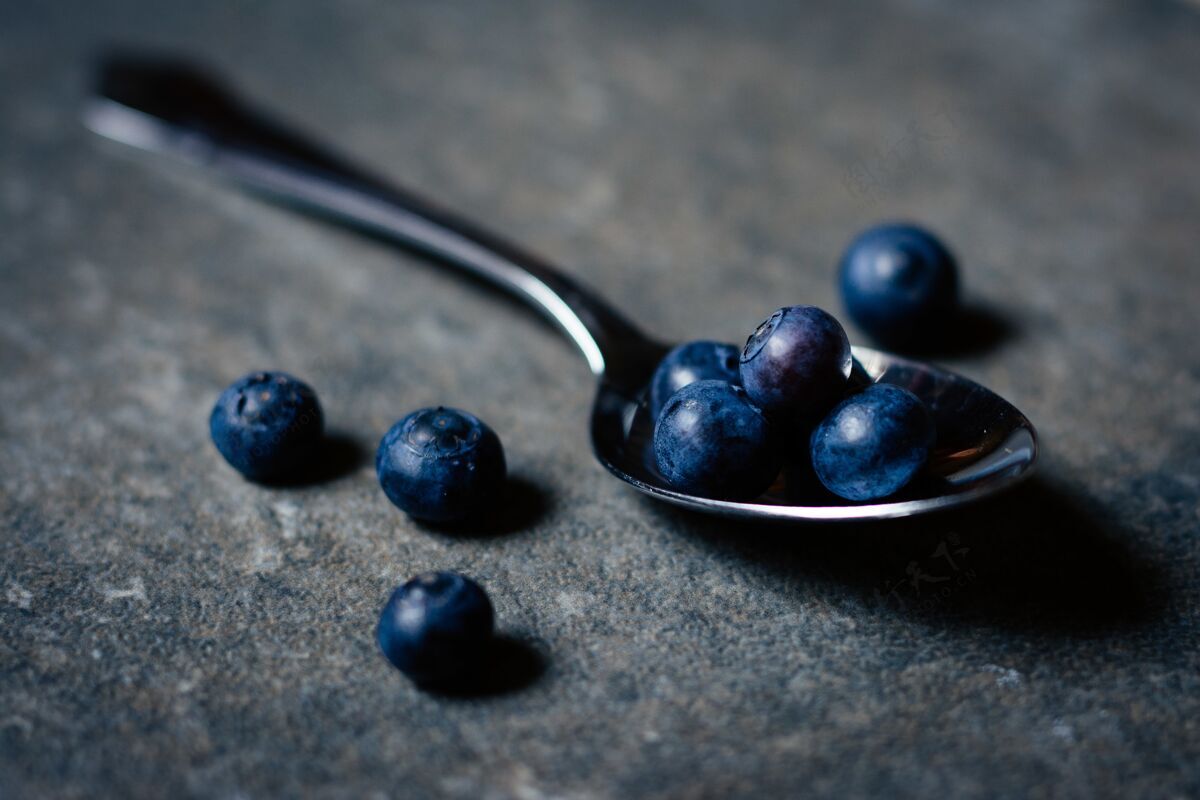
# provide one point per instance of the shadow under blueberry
(977, 329)
(1034, 560)
(338, 455)
(510, 664)
(525, 503)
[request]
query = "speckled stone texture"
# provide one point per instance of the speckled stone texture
(167, 629)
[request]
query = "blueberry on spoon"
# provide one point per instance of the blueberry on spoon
(796, 363)
(873, 443)
(711, 441)
(691, 362)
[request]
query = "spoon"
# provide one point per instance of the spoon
(983, 445)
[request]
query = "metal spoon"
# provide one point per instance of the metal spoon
(984, 444)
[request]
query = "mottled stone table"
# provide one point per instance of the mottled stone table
(167, 629)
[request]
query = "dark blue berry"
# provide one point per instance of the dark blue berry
(873, 443)
(796, 363)
(711, 441)
(436, 628)
(899, 283)
(441, 465)
(691, 362)
(267, 425)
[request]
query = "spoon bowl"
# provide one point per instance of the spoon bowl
(983, 444)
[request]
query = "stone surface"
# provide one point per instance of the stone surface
(167, 629)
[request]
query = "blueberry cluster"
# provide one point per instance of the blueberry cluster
(727, 434)
(440, 465)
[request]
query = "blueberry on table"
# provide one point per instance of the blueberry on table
(441, 465)
(267, 425)
(899, 283)
(711, 441)
(691, 362)
(436, 627)
(872, 444)
(796, 363)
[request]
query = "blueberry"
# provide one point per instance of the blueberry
(899, 283)
(873, 443)
(688, 363)
(796, 363)
(436, 627)
(711, 441)
(441, 465)
(267, 425)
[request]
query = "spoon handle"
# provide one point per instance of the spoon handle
(172, 107)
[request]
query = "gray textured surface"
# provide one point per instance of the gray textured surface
(166, 628)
